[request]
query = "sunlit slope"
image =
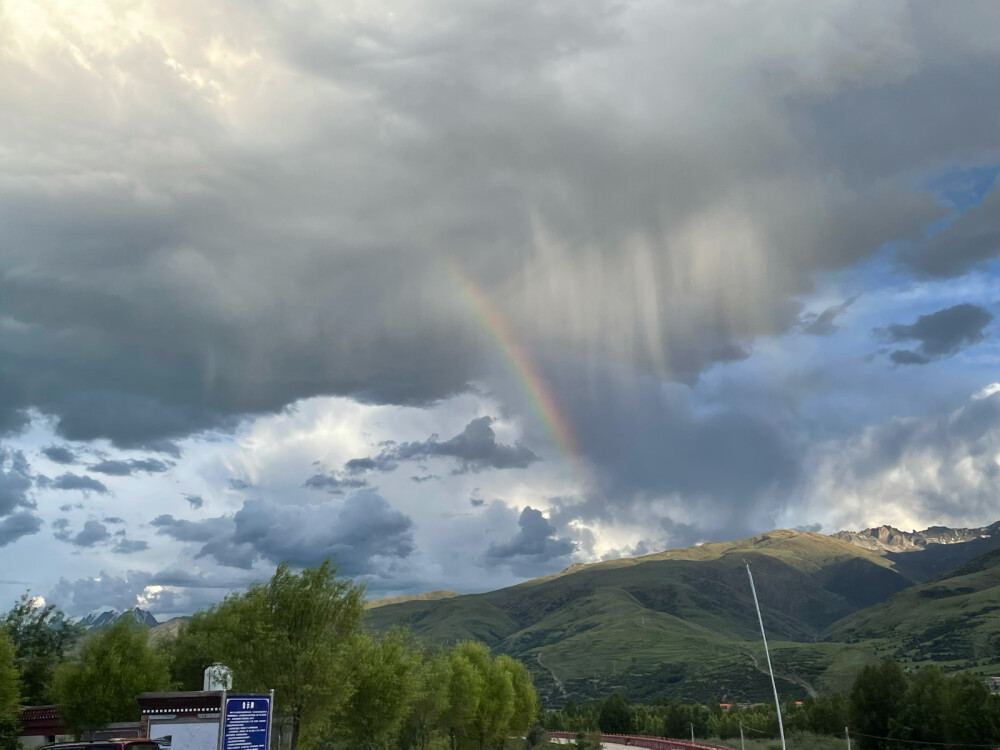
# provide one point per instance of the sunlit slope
(952, 620)
(679, 622)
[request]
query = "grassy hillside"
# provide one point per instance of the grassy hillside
(682, 622)
(952, 620)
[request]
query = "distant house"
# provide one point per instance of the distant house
(42, 725)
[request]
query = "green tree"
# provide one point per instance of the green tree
(616, 715)
(972, 715)
(923, 713)
(10, 694)
(101, 685)
(41, 636)
(292, 634)
(465, 686)
(385, 679)
(430, 700)
(525, 698)
(495, 708)
(876, 702)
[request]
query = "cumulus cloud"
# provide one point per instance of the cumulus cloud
(533, 548)
(972, 240)
(118, 468)
(914, 472)
(129, 546)
(823, 324)
(71, 481)
(86, 594)
(475, 448)
(17, 525)
(195, 501)
(93, 533)
(333, 484)
(191, 531)
(939, 335)
(15, 481)
(60, 454)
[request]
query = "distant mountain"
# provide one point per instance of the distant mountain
(920, 555)
(682, 621)
(103, 617)
(167, 631)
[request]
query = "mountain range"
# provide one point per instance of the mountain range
(106, 616)
(682, 622)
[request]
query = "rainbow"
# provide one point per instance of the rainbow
(531, 383)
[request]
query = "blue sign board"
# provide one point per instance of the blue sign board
(246, 722)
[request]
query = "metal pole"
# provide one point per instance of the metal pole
(692, 731)
(777, 704)
(744, 747)
(847, 734)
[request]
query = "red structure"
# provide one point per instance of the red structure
(650, 743)
(44, 722)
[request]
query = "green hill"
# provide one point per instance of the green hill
(682, 622)
(952, 620)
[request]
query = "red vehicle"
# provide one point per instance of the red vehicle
(127, 743)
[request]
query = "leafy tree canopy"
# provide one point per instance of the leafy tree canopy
(100, 686)
(41, 636)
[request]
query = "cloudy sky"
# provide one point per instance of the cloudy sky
(462, 293)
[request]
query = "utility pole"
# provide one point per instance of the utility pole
(847, 734)
(743, 746)
(770, 671)
(692, 731)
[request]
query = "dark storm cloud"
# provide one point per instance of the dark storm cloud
(118, 468)
(534, 547)
(17, 525)
(60, 454)
(15, 481)
(823, 324)
(363, 534)
(195, 501)
(972, 240)
(333, 484)
(355, 535)
(728, 468)
(191, 531)
(71, 481)
(475, 448)
(939, 335)
(146, 299)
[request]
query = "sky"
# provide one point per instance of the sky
(458, 294)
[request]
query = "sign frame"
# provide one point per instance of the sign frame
(245, 697)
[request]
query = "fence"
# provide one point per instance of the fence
(650, 743)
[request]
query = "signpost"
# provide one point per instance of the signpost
(246, 722)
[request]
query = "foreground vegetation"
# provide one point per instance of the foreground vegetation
(885, 708)
(299, 634)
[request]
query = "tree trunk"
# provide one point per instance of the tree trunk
(452, 734)
(294, 740)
